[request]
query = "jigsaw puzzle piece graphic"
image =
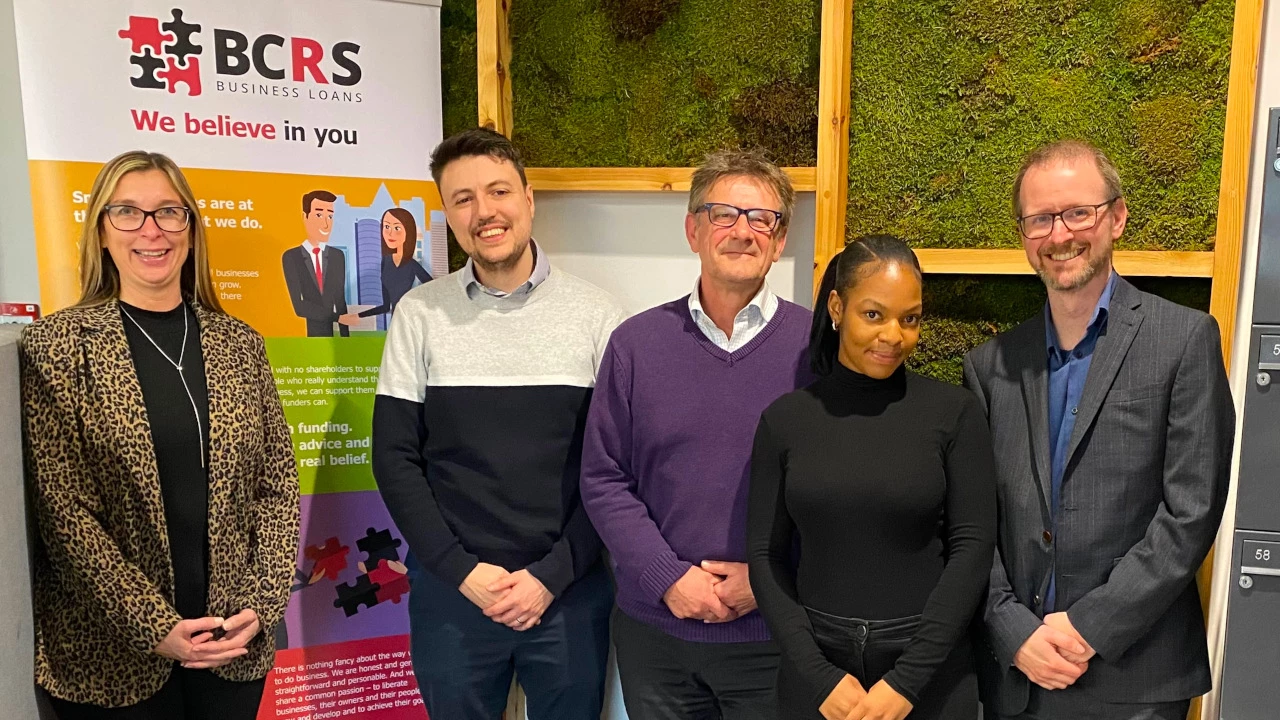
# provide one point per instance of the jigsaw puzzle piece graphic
(149, 64)
(181, 32)
(175, 74)
(391, 582)
(351, 597)
(144, 32)
(329, 558)
(379, 545)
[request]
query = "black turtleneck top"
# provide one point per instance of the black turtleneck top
(184, 480)
(890, 487)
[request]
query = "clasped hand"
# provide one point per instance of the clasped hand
(848, 701)
(191, 642)
(1055, 655)
(515, 599)
(715, 592)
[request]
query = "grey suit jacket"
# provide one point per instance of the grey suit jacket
(1143, 491)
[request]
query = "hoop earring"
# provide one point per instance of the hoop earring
(834, 326)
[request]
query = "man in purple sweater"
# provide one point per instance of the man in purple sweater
(667, 449)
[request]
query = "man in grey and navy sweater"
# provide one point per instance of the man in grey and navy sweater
(667, 449)
(477, 437)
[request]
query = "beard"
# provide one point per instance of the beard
(502, 264)
(1070, 283)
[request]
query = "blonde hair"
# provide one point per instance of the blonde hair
(99, 277)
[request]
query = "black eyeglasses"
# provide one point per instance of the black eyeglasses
(758, 219)
(1040, 225)
(128, 218)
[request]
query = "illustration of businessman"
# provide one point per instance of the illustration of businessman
(316, 273)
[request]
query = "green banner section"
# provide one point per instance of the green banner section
(327, 388)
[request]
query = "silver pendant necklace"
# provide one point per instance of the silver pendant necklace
(177, 366)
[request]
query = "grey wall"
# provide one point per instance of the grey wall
(16, 686)
(633, 244)
(18, 280)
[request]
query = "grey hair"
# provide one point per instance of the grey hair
(742, 163)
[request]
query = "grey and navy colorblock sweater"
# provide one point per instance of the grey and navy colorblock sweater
(478, 422)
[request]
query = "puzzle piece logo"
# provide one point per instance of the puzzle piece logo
(164, 53)
(383, 578)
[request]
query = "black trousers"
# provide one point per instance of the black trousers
(464, 661)
(666, 678)
(867, 650)
(187, 695)
(1073, 704)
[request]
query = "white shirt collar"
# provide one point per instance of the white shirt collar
(764, 302)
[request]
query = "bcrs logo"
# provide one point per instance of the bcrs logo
(167, 56)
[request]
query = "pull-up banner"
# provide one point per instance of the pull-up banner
(304, 128)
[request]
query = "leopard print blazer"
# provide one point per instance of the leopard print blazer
(103, 576)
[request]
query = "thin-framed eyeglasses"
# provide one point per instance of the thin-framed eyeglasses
(1076, 219)
(758, 219)
(128, 218)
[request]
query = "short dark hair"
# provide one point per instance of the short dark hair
(476, 141)
(857, 261)
(321, 195)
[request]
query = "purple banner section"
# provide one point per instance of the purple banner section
(350, 582)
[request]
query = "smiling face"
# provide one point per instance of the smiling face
(489, 209)
(319, 221)
(1068, 260)
(392, 232)
(878, 320)
(149, 260)
(736, 256)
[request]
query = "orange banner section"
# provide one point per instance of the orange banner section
(251, 219)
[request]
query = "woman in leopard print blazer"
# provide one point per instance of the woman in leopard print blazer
(162, 472)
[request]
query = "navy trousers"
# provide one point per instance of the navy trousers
(464, 661)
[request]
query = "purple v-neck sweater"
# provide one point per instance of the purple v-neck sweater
(666, 456)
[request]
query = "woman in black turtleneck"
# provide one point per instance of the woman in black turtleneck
(886, 481)
(162, 472)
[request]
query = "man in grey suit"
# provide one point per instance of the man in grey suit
(1113, 428)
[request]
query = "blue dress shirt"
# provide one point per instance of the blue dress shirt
(1068, 370)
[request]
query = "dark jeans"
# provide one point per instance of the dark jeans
(464, 661)
(187, 695)
(1072, 704)
(666, 678)
(867, 649)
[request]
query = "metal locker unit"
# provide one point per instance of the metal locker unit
(1251, 669)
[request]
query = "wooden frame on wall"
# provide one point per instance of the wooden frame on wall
(829, 180)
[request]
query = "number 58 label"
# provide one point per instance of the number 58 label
(1261, 555)
(1269, 353)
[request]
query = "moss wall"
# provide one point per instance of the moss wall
(637, 83)
(460, 106)
(963, 311)
(949, 95)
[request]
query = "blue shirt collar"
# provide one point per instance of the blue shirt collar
(1096, 324)
(541, 270)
